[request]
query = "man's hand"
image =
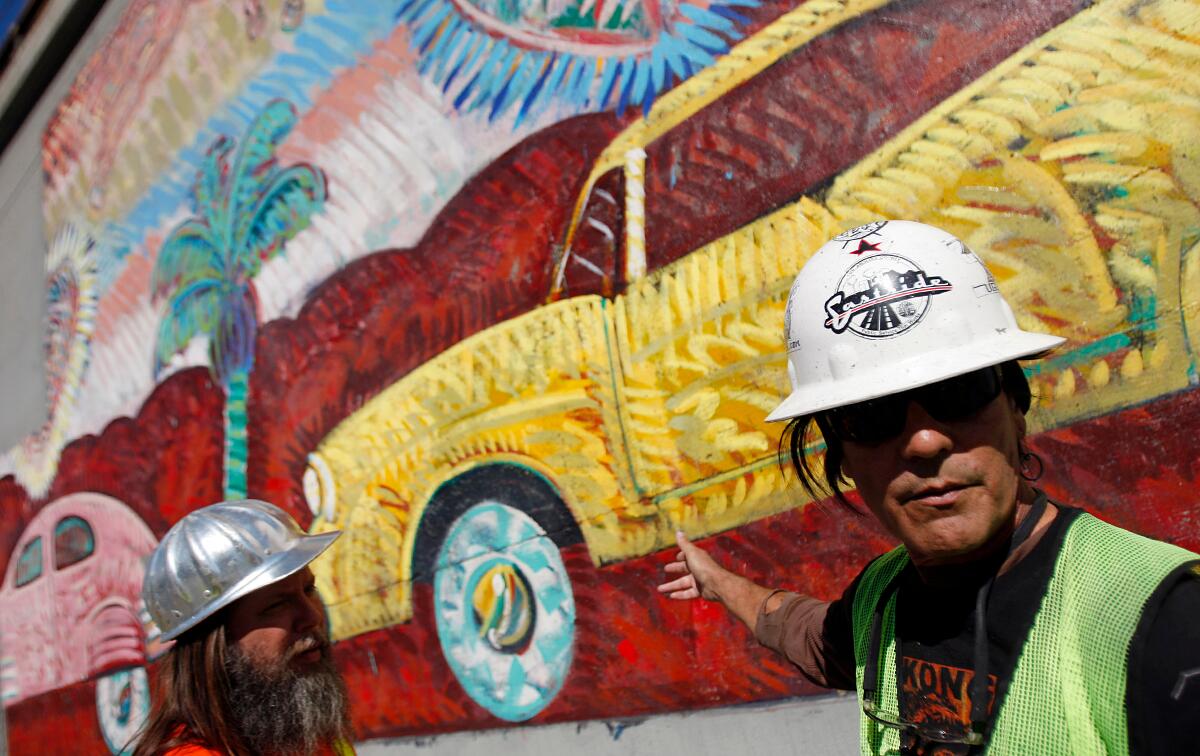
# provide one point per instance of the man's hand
(702, 577)
(700, 572)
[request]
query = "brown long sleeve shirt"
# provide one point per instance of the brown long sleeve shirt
(812, 634)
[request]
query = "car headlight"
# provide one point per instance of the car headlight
(319, 490)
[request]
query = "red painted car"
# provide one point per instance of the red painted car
(70, 609)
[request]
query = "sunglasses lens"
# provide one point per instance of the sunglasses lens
(871, 422)
(876, 420)
(962, 396)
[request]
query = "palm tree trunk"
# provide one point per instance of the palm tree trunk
(236, 387)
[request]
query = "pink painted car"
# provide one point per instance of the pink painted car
(70, 608)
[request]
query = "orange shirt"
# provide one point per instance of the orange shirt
(193, 749)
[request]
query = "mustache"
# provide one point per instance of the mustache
(310, 641)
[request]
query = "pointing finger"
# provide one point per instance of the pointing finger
(690, 593)
(684, 583)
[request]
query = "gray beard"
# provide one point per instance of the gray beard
(280, 710)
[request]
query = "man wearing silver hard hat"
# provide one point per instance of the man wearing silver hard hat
(1004, 621)
(250, 671)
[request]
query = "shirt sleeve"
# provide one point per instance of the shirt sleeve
(814, 635)
(1163, 695)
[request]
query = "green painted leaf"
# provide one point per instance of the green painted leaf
(283, 209)
(188, 254)
(191, 310)
(255, 161)
(211, 192)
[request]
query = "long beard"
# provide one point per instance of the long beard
(278, 709)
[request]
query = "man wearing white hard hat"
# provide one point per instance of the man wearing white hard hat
(1004, 622)
(250, 671)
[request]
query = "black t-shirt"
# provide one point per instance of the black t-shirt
(935, 625)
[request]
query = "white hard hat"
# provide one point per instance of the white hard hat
(220, 553)
(889, 306)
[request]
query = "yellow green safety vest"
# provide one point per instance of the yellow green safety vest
(1067, 693)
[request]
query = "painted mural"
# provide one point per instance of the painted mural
(497, 288)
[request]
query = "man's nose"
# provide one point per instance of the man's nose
(312, 613)
(924, 436)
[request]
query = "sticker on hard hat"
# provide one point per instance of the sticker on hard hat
(787, 313)
(882, 296)
(989, 281)
(860, 232)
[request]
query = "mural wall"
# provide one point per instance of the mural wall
(497, 288)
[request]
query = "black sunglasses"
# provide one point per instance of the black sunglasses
(877, 420)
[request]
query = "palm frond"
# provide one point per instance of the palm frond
(211, 192)
(255, 160)
(282, 209)
(190, 253)
(192, 309)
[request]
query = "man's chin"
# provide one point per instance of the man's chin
(947, 539)
(290, 707)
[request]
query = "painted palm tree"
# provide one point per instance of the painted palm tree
(246, 207)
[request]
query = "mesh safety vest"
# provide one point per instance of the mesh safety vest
(1067, 693)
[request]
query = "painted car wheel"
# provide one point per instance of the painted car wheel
(505, 611)
(122, 705)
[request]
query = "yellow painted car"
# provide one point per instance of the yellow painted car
(615, 417)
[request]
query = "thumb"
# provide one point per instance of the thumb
(681, 539)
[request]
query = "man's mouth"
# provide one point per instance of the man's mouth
(936, 495)
(309, 650)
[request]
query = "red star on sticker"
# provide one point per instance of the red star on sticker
(864, 246)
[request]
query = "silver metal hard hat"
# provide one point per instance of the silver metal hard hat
(220, 553)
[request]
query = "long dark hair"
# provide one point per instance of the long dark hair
(802, 431)
(190, 703)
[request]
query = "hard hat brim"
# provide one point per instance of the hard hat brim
(872, 382)
(272, 570)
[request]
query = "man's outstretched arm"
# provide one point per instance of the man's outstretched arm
(702, 577)
(800, 628)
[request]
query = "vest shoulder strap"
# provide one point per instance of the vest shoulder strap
(1067, 694)
(875, 579)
